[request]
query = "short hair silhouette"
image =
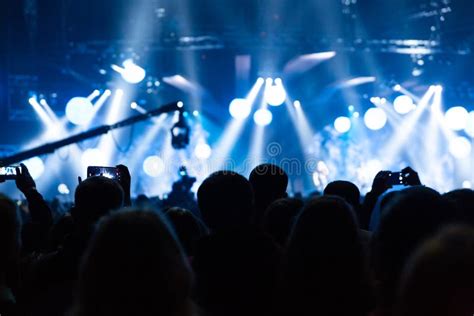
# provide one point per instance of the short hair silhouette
(439, 278)
(462, 201)
(412, 216)
(188, 228)
(269, 183)
(326, 271)
(94, 198)
(134, 266)
(225, 200)
(279, 218)
(346, 190)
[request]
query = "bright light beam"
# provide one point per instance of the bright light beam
(47, 121)
(393, 147)
(226, 143)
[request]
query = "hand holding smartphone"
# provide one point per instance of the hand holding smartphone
(8, 173)
(108, 172)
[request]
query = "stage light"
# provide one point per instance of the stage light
(35, 166)
(63, 189)
(180, 133)
(275, 95)
(130, 72)
(456, 118)
(202, 151)
(133, 105)
(93, 95)
(153, 166)
(107, 92)
(467, 184)
(297, 104)
(469, 129)
(260, 81)
(43, 115)
(351, 108)
(356, 114)
(397, 87)
(180, 104)
(342, 124)
(93, 157)
(375, 118)
(79, 111)
(460, 147)
(240, 108)
(263, 117)
(403, 104)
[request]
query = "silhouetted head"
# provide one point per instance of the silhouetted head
(279, 218)
(269, 183)
(9, 232)
(439, 278)
(94, 198)
(346, 190)
(225, 200)
(327, 266)
(134, 266)
(187, 227)
(463, 202)
(412, 216)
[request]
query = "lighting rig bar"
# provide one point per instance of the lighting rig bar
(104, 129)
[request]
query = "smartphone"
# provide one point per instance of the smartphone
(8, 173)
(396, 178)
(108, 172)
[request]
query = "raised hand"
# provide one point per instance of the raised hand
(24, 182)
(411, 176)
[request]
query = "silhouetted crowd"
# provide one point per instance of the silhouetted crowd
(247, 249)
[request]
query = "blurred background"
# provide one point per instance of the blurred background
(328, 89)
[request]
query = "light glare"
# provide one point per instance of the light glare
(375, 118)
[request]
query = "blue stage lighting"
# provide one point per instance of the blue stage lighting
(263, 117)
(275, 95)
(403, 104)
(202, 151)
(153, 166)
(342, 124)
(130, 72)
(35, 166)
(79, 111)
(240, 108)
(375, 118)
(456, 118)
(460, 147)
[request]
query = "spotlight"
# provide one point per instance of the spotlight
(180, 133)
(375, 118)
(356, 114)
(180, 104)
(351, 108)
(195, 113)
(460, 147)
(130, 72)
(240, 108)
(275, 95)
(93, 157)
(35, 166)
(467, 184)
(469, 129)
(342, 124)
(153, 166)
(133, 105)
(203, 151)
(263, 117)
(403, 104)
(260, 81)
(456, 118)
(397, 87)
(63, 189)
(297, 104)
(79, 111)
